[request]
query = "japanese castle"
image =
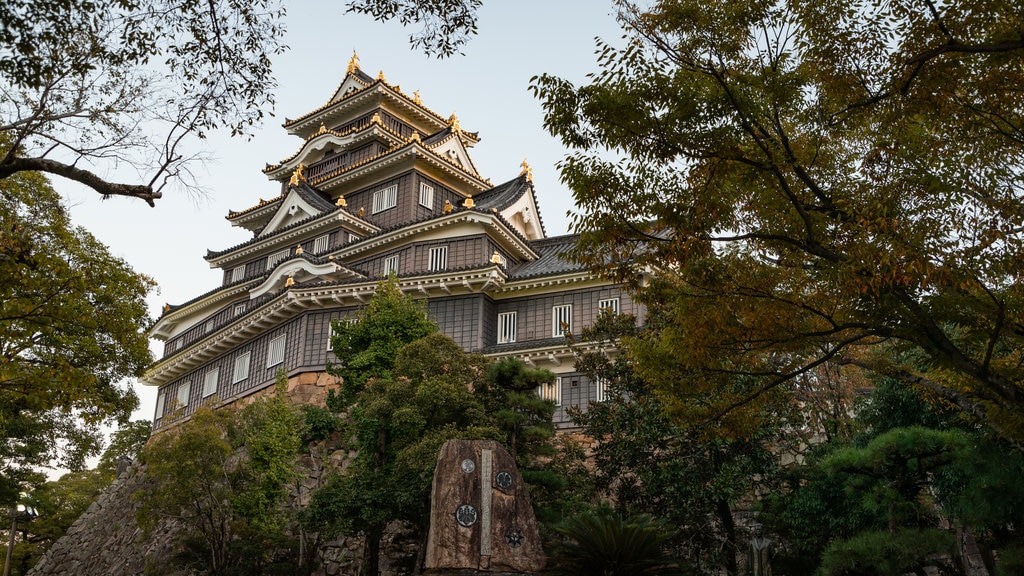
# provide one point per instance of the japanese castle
(380, 185)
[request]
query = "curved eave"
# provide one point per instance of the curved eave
(580, 278)
(304, 270)
(165, 325)
(378, 88)
(296, 300)
(272, 242)
(318, 140)
(511, 241)
(544, 354)
(253, 213)
(410, 152)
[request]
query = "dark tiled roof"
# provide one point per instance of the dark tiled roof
(527, 345)
(315, 197)
(551, 259)
(503, 195)
(438, 136)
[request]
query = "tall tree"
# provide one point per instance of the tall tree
(72, 318)
(807, 180)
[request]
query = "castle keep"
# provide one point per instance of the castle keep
(380, 185)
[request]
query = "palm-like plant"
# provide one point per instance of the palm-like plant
(605, 543)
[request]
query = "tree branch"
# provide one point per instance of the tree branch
(142, 192)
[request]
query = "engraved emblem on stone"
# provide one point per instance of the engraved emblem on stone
(465, 515)
(503, 480)
(514, 537)
(468, 466)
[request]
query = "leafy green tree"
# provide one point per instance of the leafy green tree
(445, 25)
(806, 180)
(224, 477)
(689, 476)
(72, 321)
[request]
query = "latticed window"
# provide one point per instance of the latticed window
(439, 258)
(276, 257)
(506, 327)
(239, 309)
(426, 195)
(160, 404)
(275, 350)
(600, 389)
(183, 392)
(237, 273)
(385, 198)
(241, 368)
(210, 382)
(390, 265)
(610, 304)
(320, 244)
(551, 391)
(561, 320)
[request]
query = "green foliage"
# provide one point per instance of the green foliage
(318, 423)
(446, 25)
(885, 553)
(805, 180)
(224, 476)
(608, 543)
(72, 322)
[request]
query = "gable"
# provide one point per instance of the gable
(294, 207)
(524, 216)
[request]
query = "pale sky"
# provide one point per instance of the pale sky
(486, 88)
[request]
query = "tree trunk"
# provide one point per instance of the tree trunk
(371, 552)
(729, 527)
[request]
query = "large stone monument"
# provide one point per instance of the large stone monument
(481, 521)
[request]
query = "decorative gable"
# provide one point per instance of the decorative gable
(294, 207)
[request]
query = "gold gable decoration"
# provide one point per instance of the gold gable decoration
(468, 203)
(341, 201)
(416, 97)
(447, 206)
(527, 171)
(453, 121)
(290, 281)
(353, 63)
(299, 175)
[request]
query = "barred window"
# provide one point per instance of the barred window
(561, 320)
(237, 273)
(241, 368)
(611, 304)
(210, 382)
(506, 327)
(275, 350)
(390, 265)
(239, 309)
(352, 237)
(160, 405)
(385, 198)
(426, 195)
(208, 326)
(276, 257)
(320, 244)
(600, 389)
(183, 392)
(439, 258)
(551, 391)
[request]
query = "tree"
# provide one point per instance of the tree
(446, 25)
(807, 180)
(88, 85)
(72, 321)
(224, 476)
(605, 542)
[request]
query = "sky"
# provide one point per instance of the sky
(486, 87)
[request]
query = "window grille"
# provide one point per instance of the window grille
(239, 309)
(183, 392)
(352, 237)
(561, 320)
(600, 390)
(208, 326)
(385, 198)
(551, 391)
(426, 195)
(237, 273)
(506, 327)
(320, 244)
(390, 265)
(210, 382)
(275, 351)
(611, 304)
(160, 405)
(439, 258)
(241, 368)
(276, 257)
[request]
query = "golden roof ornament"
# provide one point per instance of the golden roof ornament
(361, 213)
(341, 201)
(416, 97)
(289, 282)
(380, 76)
(496, 258)
(298, 250)
(447, 207)
(453, 121)
(322, 129)
(375, 118)
(415, 136)
(167, 307)
(299, 175)
(527, 171)
(468, 203)
(353, 63)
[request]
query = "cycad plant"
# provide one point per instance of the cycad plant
(605, 543)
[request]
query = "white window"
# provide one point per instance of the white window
(160, 404)
(239, 309)
(439, 258)
(426, 195)
(208, 327)
(600, 390)
(237, 273)
(506, 327)
(561, 320)
(210, 382)
(276, 257)
(610, 304)
(551, 391)
(320, 244)
(275, 351)
(352, 237)
(183, 391)
(390, 265)
(241, 368)
(385, 199)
